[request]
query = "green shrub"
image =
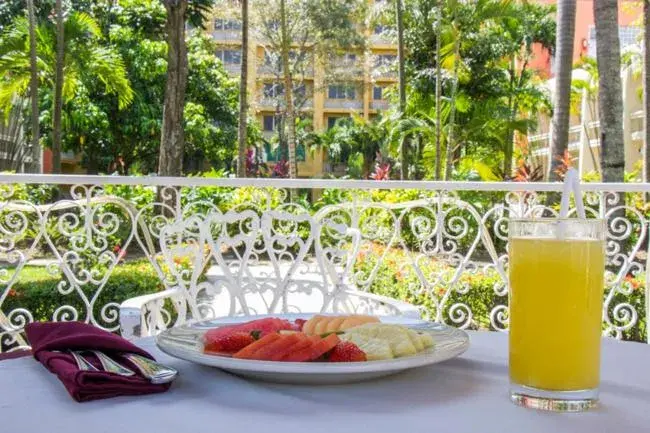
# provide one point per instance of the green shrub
(396, 278)
(36, 290)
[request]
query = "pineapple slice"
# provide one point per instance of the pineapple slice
(374, 348)
(401, 340)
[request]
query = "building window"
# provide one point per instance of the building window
(221, 24)
(269, 123)
(383, 60)
(273, 90)
(628, 35)
(378, 93)
(341, 91)
(331, 121)
(229, 57)
(300, 91)
(379, 29)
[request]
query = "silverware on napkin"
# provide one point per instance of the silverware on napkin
(156, 373)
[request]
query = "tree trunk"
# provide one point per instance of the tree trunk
(288, 93)
(58, 90)
(509, 138)
(438, 92)
(451, 137)
(608, 54)
(172, 142)
(403, 171)
(243, 95)
(566, 19)
(646, 87)
(33, 88)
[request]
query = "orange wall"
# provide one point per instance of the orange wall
(629, 12)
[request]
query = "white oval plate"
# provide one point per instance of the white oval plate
(184, 342)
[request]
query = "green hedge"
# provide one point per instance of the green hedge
(36, 290)
(396, 278)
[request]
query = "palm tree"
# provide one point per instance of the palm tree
(438, 90)
(33, 86)
(399, 14)
(646, 87)
(172, 141)
(608, 54)
(243, 102)
(85, 60)
(566, 19)
(58, 89)
(288, 92)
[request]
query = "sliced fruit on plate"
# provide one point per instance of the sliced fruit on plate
(264, 326)
(319, 346)
(374, 348)
(272, 350)
(324, 324)
(346, 351)
(248, 351)
(380, 339)
(302, 351)
(229, 343)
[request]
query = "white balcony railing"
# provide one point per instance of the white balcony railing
(379, 104)
(350, 104)
(442, 246)
(233, 68)
(226, 35)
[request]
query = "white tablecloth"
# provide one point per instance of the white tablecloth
(468, 394)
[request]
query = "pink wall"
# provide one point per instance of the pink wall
(629, 14)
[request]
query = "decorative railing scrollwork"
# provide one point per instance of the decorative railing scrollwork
(245, 246)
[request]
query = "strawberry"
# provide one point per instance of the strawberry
(346, 351)
(299, 323)
(229, 343)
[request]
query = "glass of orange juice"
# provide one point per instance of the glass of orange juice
(556, 269)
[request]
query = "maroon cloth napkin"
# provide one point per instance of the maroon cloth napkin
(50, 339)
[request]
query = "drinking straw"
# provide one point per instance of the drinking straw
(577, 194)
(571, 184)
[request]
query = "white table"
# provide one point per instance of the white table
(468, 394)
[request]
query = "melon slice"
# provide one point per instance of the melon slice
(278, 346)
(264, 326)
(247, 351)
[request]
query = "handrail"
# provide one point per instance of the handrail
(59, 179)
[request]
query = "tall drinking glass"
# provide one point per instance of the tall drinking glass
(556, 296)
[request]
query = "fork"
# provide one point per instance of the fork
(108, 364)
(156, 373)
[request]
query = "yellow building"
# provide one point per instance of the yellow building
(368, 75)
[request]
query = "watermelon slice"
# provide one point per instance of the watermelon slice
(264, 326)
(247, 351)
(318, 347)
(277, 347)
(303, 352)
(303, 341)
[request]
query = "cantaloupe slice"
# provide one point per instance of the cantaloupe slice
(265, 353)
(247, 351)
(318, 324)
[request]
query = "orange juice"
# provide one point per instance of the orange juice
(556, 296)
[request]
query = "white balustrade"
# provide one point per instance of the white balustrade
(239, 238)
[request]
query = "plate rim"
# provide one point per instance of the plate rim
(428, 357)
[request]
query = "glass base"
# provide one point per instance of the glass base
(556, 401)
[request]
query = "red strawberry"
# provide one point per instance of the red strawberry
(229, 343)
(346, 351)
(299, 323)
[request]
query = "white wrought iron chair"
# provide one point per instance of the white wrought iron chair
(238, 263)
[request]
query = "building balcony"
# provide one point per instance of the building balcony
(379, 104)
(350, 104)
(228, 36)
(233, 69)
(381, 39)
(271, 104)
(272, 70)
